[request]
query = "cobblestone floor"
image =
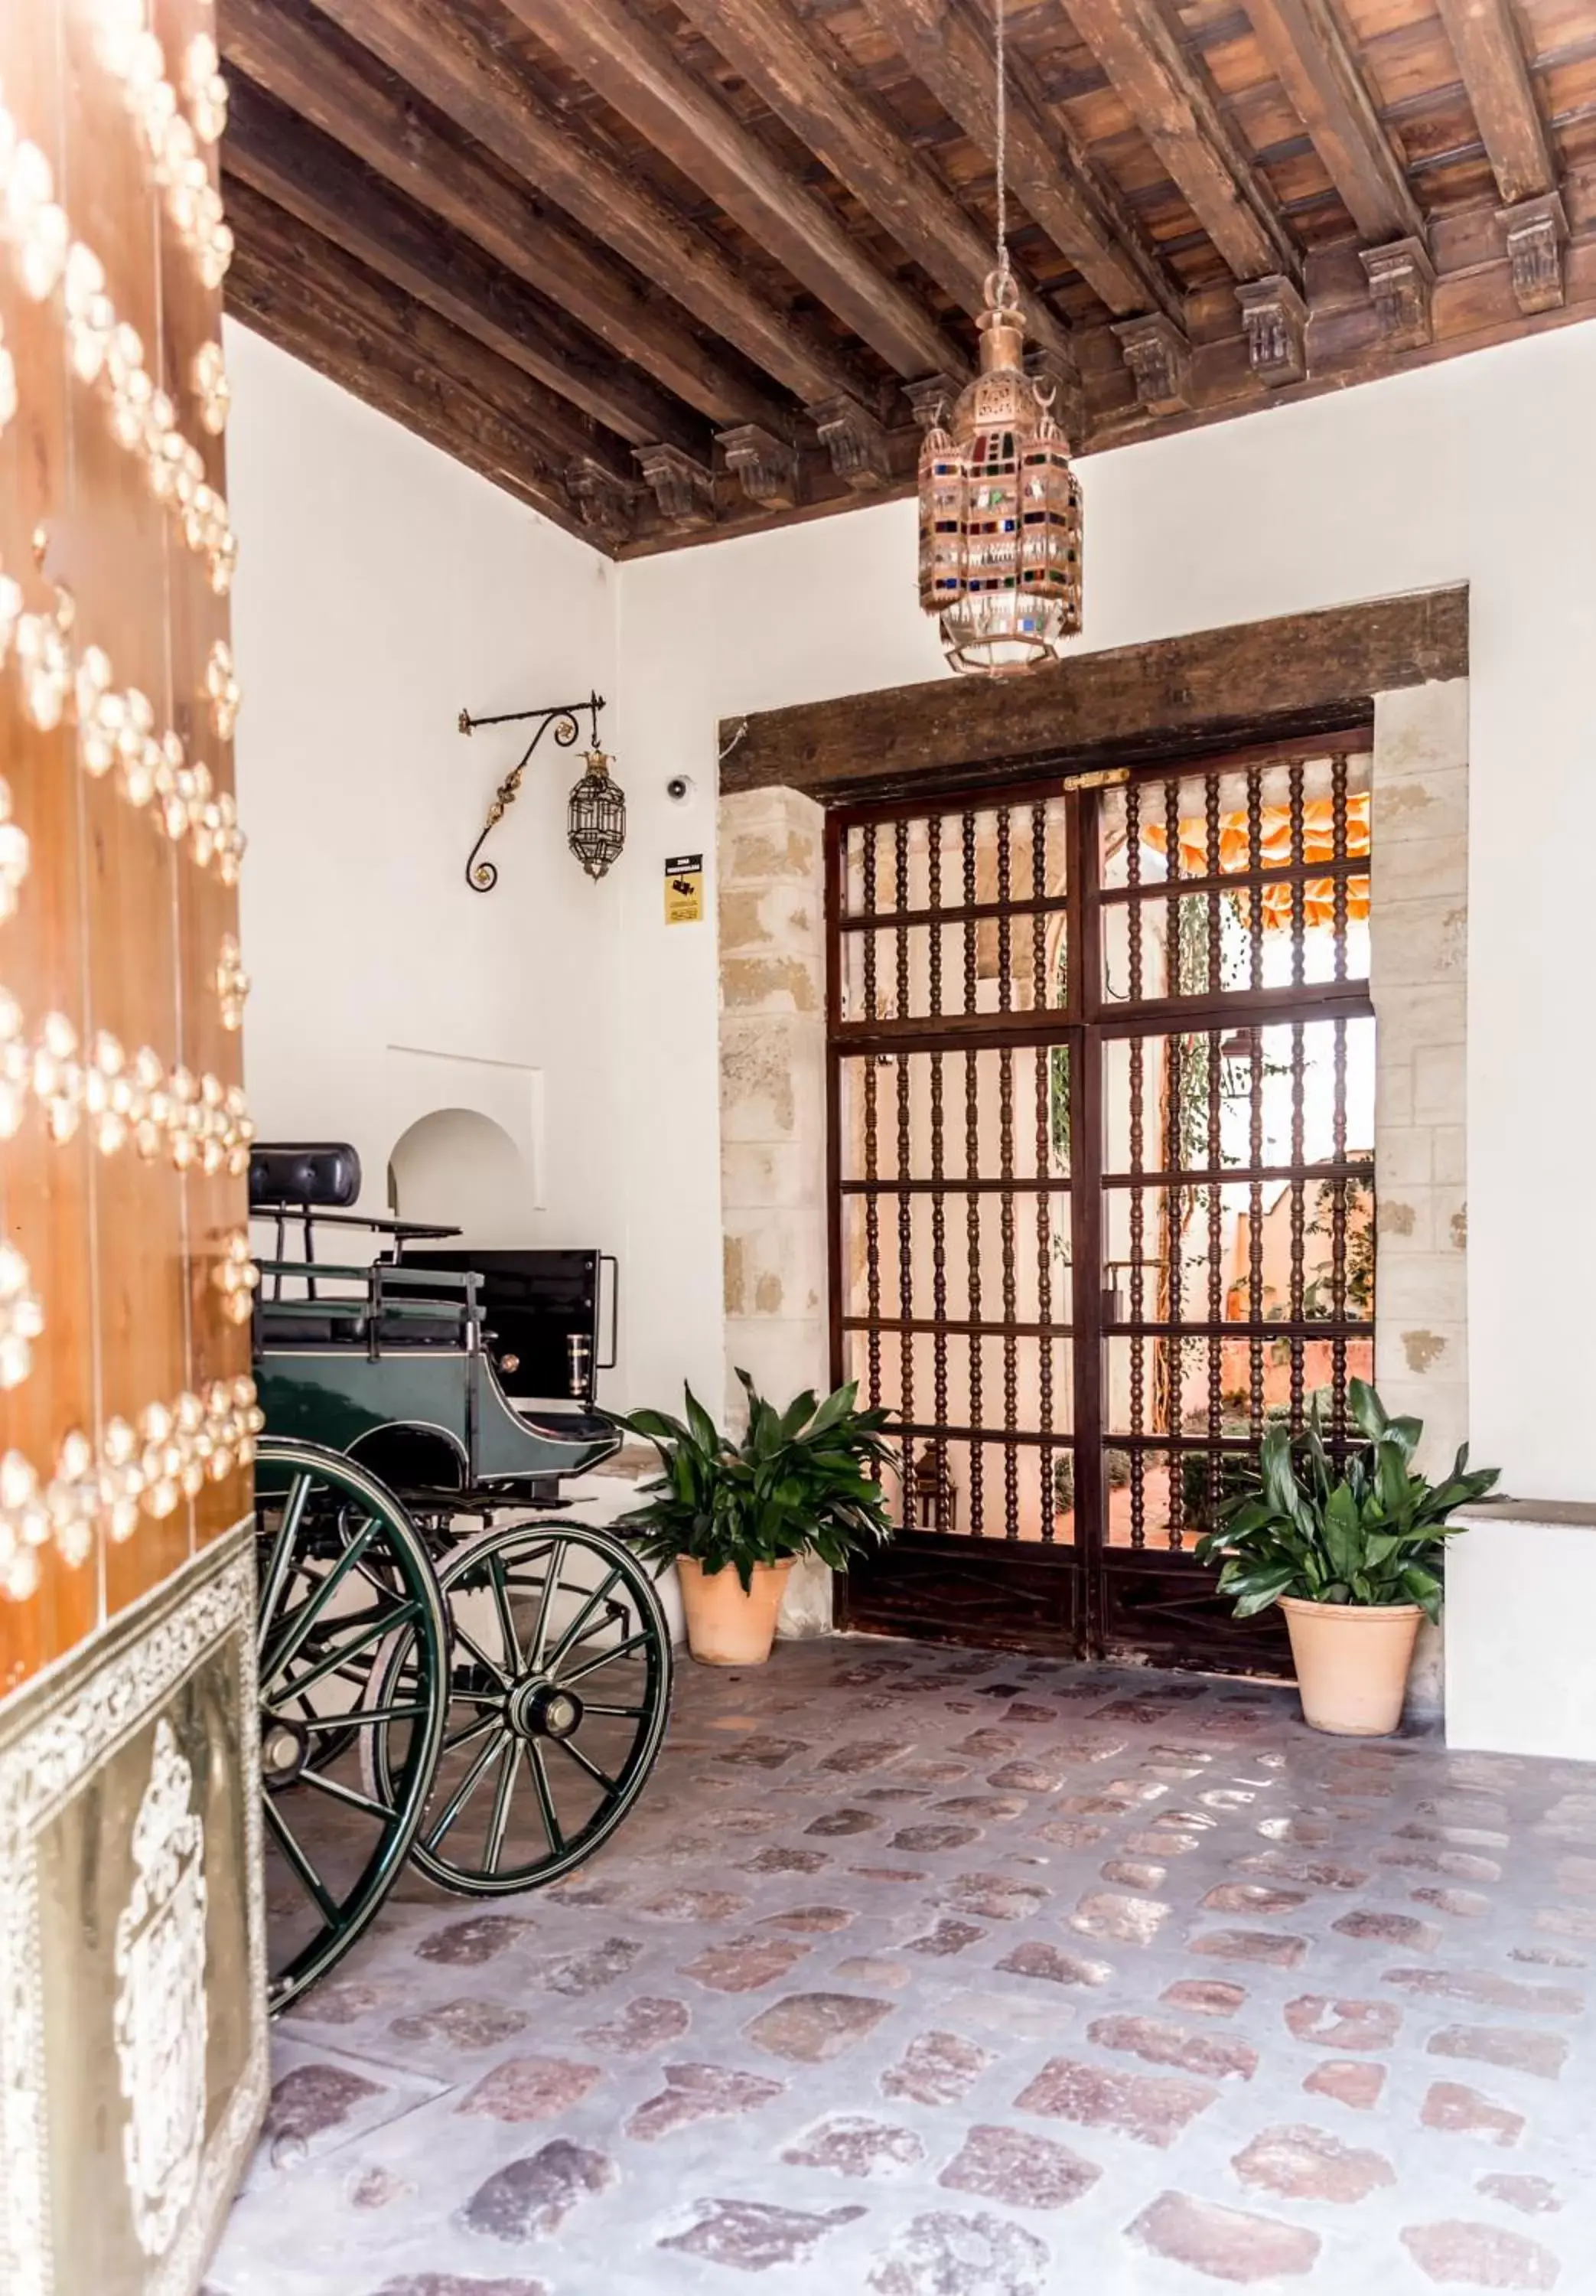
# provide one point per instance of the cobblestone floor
(932, 1973)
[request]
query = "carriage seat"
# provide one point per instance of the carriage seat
(307, 1331)
(304, 1327)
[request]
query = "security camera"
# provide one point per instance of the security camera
(678, 789)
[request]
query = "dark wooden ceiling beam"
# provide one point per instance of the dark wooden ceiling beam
(1308, 54)
(1535, 223)
(634, 68)
(316, 303)
(1484, 39)
(438, 50)
(287, 48)
(308, 176)
(280, 238)
(1296, 673)
(1091, 226)
(1168, 91)
(1518, 145)
(782, 60)
(528, 225)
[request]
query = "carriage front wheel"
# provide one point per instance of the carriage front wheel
(559, 1687)
(344, 1576)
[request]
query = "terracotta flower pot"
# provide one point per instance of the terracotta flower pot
(1351, 1663)
(727, 1626)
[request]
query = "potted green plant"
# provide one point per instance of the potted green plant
(734, 1517)
(1353, 1557)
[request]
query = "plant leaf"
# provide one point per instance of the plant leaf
(1369, 1413)
(1365, 1531)
(1343, 1531)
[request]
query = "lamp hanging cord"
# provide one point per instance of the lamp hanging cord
(1002, 156)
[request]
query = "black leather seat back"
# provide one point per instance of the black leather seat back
(321, 1172)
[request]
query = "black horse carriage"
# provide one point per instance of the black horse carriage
(451, 1670)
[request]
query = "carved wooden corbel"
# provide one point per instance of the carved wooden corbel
(683, 489)
(767, 465)
(604, 503)
(856, 442)
(1274, 320)
(1401, 279)
(933, 399)
(1536, 231)
(1159, 359)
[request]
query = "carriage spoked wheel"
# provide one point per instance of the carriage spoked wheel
(344, 1576)
(559, 1690)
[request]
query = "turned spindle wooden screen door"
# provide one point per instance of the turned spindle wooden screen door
(1102, 1132)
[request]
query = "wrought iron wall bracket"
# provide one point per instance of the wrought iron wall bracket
(565, 718)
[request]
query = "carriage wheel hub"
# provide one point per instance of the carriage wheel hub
(284, 1749)
(538, 1710)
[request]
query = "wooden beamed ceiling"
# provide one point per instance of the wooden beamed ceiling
(672, 268)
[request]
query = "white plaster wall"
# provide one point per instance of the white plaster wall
(799, 616)
(1520, 1595)
(381, 587)
(1482, 469)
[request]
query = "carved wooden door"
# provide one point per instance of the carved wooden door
(1101, 1122)
(133, 2050)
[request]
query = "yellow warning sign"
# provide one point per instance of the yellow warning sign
(684, 889)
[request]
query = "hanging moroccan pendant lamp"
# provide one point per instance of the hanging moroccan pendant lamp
(1000, 511)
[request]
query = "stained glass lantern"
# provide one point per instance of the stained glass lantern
(596, 820)
(1000, 511)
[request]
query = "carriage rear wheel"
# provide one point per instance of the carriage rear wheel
(345, 1575)
(559, 1690)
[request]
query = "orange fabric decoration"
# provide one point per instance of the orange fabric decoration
(1274, 832)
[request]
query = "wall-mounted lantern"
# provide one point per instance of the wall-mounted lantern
(596, 817)
(596, 811)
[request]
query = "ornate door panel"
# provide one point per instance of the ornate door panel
(1102, 1139)
(132, 2049)
(951, 1292)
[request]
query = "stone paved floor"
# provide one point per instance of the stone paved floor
(932, 1973)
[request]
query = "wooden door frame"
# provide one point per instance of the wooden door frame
(1182, 697)
(1292, 676)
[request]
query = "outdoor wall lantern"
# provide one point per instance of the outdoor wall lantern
(595, 827)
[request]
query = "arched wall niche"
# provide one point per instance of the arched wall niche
(459, 1168)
